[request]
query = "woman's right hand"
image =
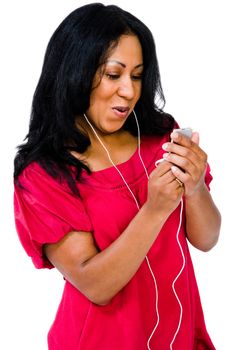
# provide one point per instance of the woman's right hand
(164, 191)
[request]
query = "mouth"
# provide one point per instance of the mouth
(121, 111)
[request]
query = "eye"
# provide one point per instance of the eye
(137, 77)
(112, 76)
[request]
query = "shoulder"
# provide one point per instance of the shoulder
(154, 142)
(34, 170)
(34, 176)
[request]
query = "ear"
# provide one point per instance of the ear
(195, 137)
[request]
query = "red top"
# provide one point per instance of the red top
(47, 210)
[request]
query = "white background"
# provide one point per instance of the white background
(193, 47)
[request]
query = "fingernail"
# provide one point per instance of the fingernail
(165, 155)
(165, 146)
(174, 168)
(174, 135)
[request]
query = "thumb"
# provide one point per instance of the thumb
(195, 137)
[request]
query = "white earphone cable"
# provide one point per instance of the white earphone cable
(178, 275)
(109, 157)
(146, 257)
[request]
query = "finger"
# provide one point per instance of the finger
(174, 148)
(179, 175)
(163, 174)
(181, 139)
(195, 137)
(184, 162)
(191, 144)
(170, 181)
(191, 151)
(162, 167)
(168, 177)
(179, 182)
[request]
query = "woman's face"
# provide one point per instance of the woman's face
(117, 86)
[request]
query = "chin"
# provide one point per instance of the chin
(109, 132)
(111, 129)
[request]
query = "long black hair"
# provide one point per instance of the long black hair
(76, 49)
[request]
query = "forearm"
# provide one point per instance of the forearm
(100, 275)
(107, 272)
(203, 220)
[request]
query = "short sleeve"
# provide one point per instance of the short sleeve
(45, 211)
(208, 176)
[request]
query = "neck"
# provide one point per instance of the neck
(114, 139)
(121, 145)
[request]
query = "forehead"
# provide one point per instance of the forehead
(128, 49)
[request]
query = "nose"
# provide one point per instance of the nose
(126, 88)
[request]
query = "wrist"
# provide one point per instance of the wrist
(197, 193)
(154, 214)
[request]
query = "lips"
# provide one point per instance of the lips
(121, 111)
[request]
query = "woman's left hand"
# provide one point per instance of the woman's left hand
(189, 161)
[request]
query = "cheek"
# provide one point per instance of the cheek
(98, 101)
(106, 89)
(101, 94)
(138, 92)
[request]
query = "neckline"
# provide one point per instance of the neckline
(119, 165)
(132, 170)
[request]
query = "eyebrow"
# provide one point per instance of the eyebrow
(124, 65)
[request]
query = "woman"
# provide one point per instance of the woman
(111, 216)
